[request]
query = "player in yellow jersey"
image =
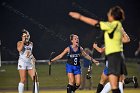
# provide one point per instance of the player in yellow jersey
(113, 42)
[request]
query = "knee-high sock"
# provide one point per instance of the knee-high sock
(121, 87)
(20, 87)
(75, 87)
(107, 88)
(36, 87)
(99, 88)
(70, 88)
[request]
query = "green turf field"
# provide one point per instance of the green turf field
(9, 78)
(79, 91)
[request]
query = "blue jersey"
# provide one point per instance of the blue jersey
(73, 63)
(74, 56)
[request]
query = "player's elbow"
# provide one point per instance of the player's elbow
(127, 40)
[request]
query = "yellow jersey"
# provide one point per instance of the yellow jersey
(112, 36)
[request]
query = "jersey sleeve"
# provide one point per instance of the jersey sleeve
(107, 26)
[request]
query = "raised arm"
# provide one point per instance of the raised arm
(88, 57)
(125, 37)
(60, 55)
(20, 44)
(85, 19)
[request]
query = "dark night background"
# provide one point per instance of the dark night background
(50, 26)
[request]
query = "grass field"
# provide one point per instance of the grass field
(79, 91)
(9, 78)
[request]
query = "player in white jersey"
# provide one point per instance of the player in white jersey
(25, 60)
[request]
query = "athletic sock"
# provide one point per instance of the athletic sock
(121, 87)
(99, 88)
(20, 87)
(75, 87)
(70, 88)
(116, 91)
(36, 87)
(106, 88)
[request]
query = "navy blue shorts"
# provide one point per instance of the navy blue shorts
(73, 69)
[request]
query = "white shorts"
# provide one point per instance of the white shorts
(24, 65)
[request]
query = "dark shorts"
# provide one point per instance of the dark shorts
(73, 69)
(116, 64)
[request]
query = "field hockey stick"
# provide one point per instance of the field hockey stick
(35, 77)
(89, 71)
(50, 61)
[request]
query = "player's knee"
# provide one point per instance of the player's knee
(114, 85)
(102, 81)
(71, 81)
(23, 80)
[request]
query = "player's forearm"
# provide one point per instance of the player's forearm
(88, 20)
(99, 49)
(87, 57)
(125, 37)
(56, 58)
(20, 46)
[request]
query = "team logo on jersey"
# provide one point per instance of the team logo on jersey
(74, 55)
(20, 66)
(28, 48)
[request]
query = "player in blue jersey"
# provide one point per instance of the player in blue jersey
(73, 68)
(105, 88)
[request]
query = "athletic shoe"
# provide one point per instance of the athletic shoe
(72, 92)
(135, 82)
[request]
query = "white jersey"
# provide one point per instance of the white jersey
(24, 62)
(27, 50)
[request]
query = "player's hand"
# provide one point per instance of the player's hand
(75, 15)
(49, 63)
(23, 37)
(34, 59)
(28, 54)
(96, 62)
